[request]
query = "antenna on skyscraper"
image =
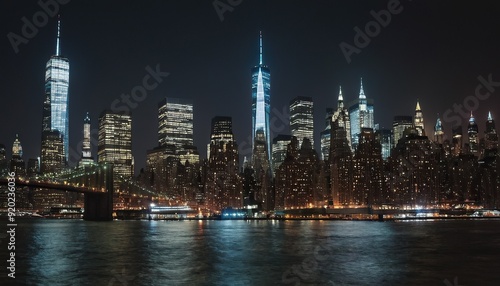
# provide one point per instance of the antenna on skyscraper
(58, 33)
(260, 61)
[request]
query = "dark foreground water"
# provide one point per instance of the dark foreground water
(74, 252)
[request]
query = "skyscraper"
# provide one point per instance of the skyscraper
(361, 116)
(472, 131)
(456, 147)
(55, 111)
(115, 143)
(175, 118)
(384, 136)
(438, 131)
(325, 135)
(17, 164)
(399, 125)
(280, 146)
(419, 120)
(261, 103)
(52, 152)
(86, 148)
(490, 137)
(301, 118)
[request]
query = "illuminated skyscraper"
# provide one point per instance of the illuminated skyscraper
(52, 152)
(115, 143)
(325, 135)
(301, 118)
(456, 147)
(361, 116)
(86, 148)
(280, 145)
(175, 118)
(490, 137)
(55, 111)
(17, 164)
(384, 136)
(261, 103)
(438, 131)
(419, 120)
(399, 125)
(472, 131)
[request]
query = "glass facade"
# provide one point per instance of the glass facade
(261, 102)
(175, 123)
(399, 125)
(301, 118)
(280, 145)
(115, 142)
(361, 116)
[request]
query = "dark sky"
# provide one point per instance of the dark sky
(432, 50)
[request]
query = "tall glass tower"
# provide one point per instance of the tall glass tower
(55, 112)
(301, 118)
(361, 116)
(261, 101)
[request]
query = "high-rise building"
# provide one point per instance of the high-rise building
(261, 103)
(438, 131)
(472, 131)
(55, 111)
(361, 116)
(33, 167)
(52, 152)
(399, 125)
(384, 136)
(456, 148)
(115, 143)
(4, 164)
(490, 137)
(175, 118)
(301, 118)
(419, 120)
(223, 186)
(325, 135)
(280, 145)
(17, 164)
(86, 147)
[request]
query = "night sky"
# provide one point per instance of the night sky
(432, 50)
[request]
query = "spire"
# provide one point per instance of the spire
(489, 116)
(361, 90)
(471, 119)
(260, 46)
(340, 99)
(418, 106)
(58, 33)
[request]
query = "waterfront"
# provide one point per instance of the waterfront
(260, 252)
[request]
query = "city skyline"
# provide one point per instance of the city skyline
(233, 86)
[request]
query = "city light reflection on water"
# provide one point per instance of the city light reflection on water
(75, 252)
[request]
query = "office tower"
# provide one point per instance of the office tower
(367, 170)
(262, 171)
(115, 143)
(325, 135)
(438, 131)
(301, 118)
(86, 146)
(384, 136)
(472, 131)
(361, 116)
(52, 152)
(17, 163)
(456, 147)
(399, 125)
(4, 164)
(419, 120)
(55, 110)
(490, 137)
(261, 103)
(175, 122)
(280, 145)
(33, 168)
(223, 187)
(340, 162)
